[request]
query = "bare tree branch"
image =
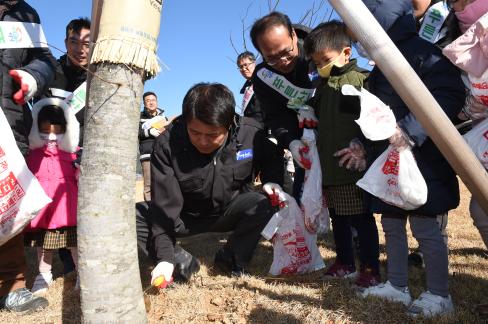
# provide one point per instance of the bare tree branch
(321, 5)
(230, 59)
(243, 22)
(276, 5)
(302, 20)
(331, 12)
(232, 44)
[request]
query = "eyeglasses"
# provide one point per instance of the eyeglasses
(285, 55)
(244, 66)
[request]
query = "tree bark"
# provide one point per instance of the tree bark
(111, 289)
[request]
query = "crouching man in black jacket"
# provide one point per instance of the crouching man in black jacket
(202, 171)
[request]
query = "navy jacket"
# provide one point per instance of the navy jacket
(443, 81)
(38, 62)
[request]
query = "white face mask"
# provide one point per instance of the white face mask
(51, 137)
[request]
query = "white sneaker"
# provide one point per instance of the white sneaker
(41, 283)
(429, 305)
(387, 291)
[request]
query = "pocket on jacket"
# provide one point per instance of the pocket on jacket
(191, 185)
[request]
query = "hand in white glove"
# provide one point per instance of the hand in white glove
(400, 140)
(154, 132)
(475, 108)
(306, 117)
(27, 83)
(274, 191)
(352, 157)
(165, 270)
(299, 152)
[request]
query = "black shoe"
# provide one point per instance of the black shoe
(22, 301)
(226, 262)
(416, 259)
(185, 265)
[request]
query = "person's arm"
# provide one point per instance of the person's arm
(166, 202)
(282, 121)
(143, 133)
(444, 83)
(268, 160)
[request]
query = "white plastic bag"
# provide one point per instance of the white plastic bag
(295, 250)
(477, 139)
(21, 195)
(312, 199)
(376, 120)
(395, 178)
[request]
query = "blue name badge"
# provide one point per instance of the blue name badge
(244, 155)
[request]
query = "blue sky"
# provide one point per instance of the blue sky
(193, 40)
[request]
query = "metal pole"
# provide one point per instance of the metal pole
(414, 93)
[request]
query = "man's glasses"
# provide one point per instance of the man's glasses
(244, 66)
(285, 55)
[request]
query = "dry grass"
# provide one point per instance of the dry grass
(211, 297)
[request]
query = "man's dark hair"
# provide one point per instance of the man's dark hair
(262, 24)
(148, 93)
(210, 103)
(244, 55)
(76, 25)
(331, 35)
(53, 115)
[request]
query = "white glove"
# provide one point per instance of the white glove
(299, 152)
(154, 132)
(27, 83)
(400, 140)
(306, 117)
(163, 269)
(274, 192)
(354, 155)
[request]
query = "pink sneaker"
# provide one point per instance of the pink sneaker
(368, 277)
(340, 271)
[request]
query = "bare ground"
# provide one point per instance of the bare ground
(212, 297)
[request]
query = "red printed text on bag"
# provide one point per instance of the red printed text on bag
(10, 194)
(391, 163)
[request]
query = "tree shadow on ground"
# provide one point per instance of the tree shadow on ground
(480, 252)
(71, 309)
(265, 315)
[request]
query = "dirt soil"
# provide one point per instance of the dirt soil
(213, 297)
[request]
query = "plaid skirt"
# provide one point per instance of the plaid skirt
(52, 239)
(345, 199)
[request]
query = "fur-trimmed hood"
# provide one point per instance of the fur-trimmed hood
(69, 142)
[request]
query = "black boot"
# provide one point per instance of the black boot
(185, 265)
(225, 260)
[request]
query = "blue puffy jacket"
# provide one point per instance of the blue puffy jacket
(443, 81)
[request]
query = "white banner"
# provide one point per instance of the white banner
(284, 87)
(15, 34)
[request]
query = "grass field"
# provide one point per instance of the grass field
(211, 297)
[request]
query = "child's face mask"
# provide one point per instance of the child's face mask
(325, 70)
(51, 137)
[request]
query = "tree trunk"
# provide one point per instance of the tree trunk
(111, 289)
